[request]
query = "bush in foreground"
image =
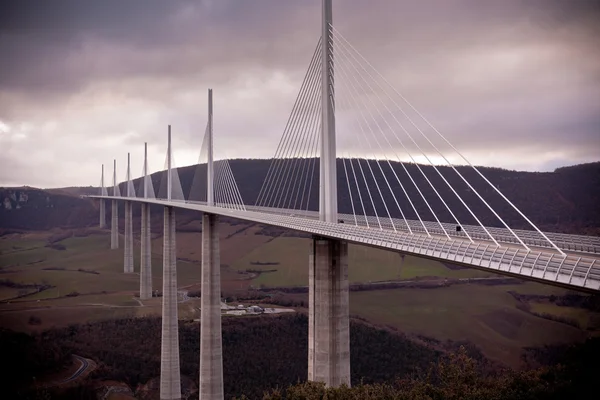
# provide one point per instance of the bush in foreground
(456, 377)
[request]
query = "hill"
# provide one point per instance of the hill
(564, 200)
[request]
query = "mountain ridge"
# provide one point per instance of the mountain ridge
(564, 200)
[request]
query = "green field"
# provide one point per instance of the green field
(8, 245)
(585, 318)
(109, 293)
(365, 264)
(88, 253)
(484, 315)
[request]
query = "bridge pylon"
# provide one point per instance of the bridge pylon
(114, 218)
(170, 376)
(211, 347)
(102, 202)
(328, 171)
(128, 253)
(328, 314)
(145, 245)
(328, 305)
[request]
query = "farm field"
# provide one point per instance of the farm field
(484, 315)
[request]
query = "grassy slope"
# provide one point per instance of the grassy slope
(484, 315)
(582, 316)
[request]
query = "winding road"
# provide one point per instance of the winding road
(85, 364)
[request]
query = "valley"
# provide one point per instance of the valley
(83, 282)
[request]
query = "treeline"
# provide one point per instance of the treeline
(19, 285)
(588, 302)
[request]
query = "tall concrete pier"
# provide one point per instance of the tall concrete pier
(170, 378)
(114, 220)
(102, 214)
(114, 226)
(146, 254)
(328, 303)
(128, 253)
(102, 202)
(211, 350)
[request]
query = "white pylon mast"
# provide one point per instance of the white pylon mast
(328, 173)
(209, 165)
(115, 177)
(128, 175)
(169, 183)
(145, 170)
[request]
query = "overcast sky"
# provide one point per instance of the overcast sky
(511, 83)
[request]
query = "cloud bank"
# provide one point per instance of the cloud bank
(512, 84)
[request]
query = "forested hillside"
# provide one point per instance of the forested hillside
(258, 352)
(269, 354)
(565, 200)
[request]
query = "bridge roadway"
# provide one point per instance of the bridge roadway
(566, 242)
(575, 270)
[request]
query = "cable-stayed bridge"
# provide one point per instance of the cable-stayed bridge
(353, 143)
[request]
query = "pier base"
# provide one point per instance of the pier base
(102, 214)
(114, 226)
(128, 253)
(328, 302)
(211, 350)
(170, 377)
(146, 255)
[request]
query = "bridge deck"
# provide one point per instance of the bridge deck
(566, 242)
(581, 271)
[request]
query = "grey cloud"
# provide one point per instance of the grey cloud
(113, 74)
(68, 43)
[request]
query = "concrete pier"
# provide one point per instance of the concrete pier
(211, 350)
(102, 202)
(146, 255)
(114, 226)
(328, 305)
(102, 214)
(128, 258)
(170, 378)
